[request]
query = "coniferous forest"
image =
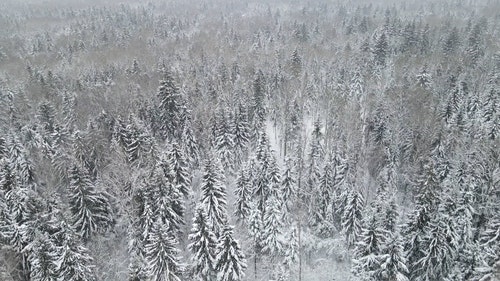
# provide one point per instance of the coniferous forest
(233, 140)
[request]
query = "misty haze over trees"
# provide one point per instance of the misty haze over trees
(233, 140)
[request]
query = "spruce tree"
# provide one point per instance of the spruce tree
(488, 262)
(165, 198)
(272, 231)
(224, 140)
(439, 249)
(323, 209)
(352, 217)
(43, 254)
(241, 132)
(161, 255)
(243, 193)
(381, 50)
(190, 143)
(74, 262)
(203, 242)
(392, 261)
(367, 249)
(288, 185)
(213, 196)
(169, 108)
(230, 260)
(291, 251)
(178, 164)
(91, 210)
(259, 94)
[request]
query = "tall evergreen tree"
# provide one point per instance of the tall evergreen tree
(213, 196)
(366, 261)
(161, 255)
(74, 262)
(241, 132)
(259, 96)
(181, 178)
(230, 260)
(203, 242)
(392, 261)
(165, 198)
(91, 209)
(439, 248)
(323, 209)
(243, 193)
(190, 143)
(169, 121)
(352, 217)
(381, 50)
(272, 231)
(288, 184)
(43, 257)
(224, 140)
(488, 262)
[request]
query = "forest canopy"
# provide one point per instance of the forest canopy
(232, 140)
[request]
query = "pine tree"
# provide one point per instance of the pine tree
(161, 255)
(273, 174)
(491, 114)
(390, 219)
(352, 217)
(20, 163)
(315, 157)
(323, 217)
(5, 222)
(255, 226)
(178, 164)
(74, 262)
(146, 216)
(392, 261)
(271, 234)
(46, 117)
(42, 257)
(91, 210)
(288, 184)
(3, 148)
(263, 149)
(190, 144)
(135, 139)
(165, 198)
(203, 242)
(241, 132)
(439, 248)
(243, 193)
(291, 251)
(224, 140)
(452, 42)
(296, 63)
(474, 48)
(262, 181)
(259, 95)
(213, 196)
(230, 260)
(367, 249)
(381, 50)
(424, 78)
(169, 108)
(488, 263)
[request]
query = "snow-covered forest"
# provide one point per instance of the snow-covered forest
(232, 140)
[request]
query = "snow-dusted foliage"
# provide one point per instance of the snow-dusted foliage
(320, 139)
(203, 242)
(230, 261)
(213, 196)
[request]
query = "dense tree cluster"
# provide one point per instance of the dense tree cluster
(250, 140)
